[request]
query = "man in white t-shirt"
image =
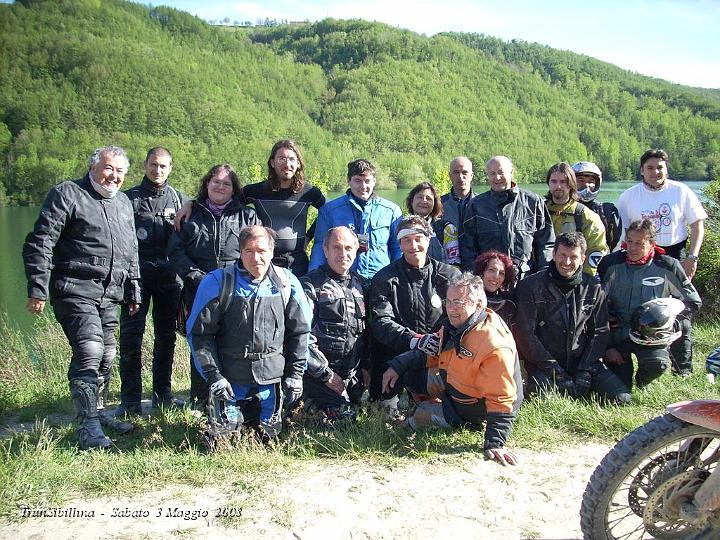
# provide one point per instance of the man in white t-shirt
(671, 206)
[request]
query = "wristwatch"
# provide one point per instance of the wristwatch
(692, 257)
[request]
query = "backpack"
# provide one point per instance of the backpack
(277, 277)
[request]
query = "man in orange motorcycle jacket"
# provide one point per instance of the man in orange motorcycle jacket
(475, 375)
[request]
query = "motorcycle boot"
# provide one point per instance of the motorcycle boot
(108, 419)
(89, 432)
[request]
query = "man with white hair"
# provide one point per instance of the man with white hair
(82, 255)
(508, 219)
(476, 373)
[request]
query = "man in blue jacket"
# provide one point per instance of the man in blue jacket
(372, 218)
(249, 340)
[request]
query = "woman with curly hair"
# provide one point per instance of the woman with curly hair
(498, 274)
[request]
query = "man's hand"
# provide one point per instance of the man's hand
(365, 377)
(435, 384)
(613, 356)
(690, 267)
(335, 383)
(293, 389)
(427, 343)
(583, 381)
(390, 377)
(183, 215)
(133, 309)
(501, 455)
(35, 306)
(222, 390)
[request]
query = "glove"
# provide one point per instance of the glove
(222, 390)
(427, 343)
(582, 383)
(292, 388)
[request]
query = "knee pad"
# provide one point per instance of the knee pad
(651, 364)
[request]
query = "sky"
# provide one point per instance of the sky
(676, 40)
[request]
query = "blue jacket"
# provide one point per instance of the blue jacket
(379, 219)
(261, 338)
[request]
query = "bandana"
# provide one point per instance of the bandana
(104, 192)
(646, 258)
(413, 230)
(217, 209)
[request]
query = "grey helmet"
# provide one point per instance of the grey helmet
(655, 322)
(588, 167)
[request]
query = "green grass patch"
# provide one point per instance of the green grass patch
(42, 465)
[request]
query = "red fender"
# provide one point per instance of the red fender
(701, 412)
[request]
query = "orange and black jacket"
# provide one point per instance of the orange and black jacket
(479, 363)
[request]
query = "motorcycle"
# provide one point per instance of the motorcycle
(661, 481)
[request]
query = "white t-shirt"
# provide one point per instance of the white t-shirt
(671, 209)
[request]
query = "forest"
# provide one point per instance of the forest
(78, 74)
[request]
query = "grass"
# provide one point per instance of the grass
(42, 466)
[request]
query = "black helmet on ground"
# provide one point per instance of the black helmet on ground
(655, 322)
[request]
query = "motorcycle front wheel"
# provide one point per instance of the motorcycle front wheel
(637, 490)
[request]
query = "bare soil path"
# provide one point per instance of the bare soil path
(455, 497)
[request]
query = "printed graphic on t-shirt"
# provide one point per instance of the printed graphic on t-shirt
(661, 218)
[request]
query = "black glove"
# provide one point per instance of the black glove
(583, 380)
(427, 343)
(292, 390)
(221, 389)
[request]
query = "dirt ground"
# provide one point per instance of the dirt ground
(455, 497)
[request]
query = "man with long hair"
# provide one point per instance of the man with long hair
(282, 202)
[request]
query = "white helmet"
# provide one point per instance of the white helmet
(588, 167)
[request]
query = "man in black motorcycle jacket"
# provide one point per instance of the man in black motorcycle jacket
(562, 326)
(154, 202)
(82, 256)
(406, 301)
(336, 298)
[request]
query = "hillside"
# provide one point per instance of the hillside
(76, 74)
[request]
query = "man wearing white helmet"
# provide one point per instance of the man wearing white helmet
(589, 179)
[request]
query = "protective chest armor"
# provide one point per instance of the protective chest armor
(340, 321)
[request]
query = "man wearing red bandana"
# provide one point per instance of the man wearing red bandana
(632, 276)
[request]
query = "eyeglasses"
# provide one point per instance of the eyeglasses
(283, 159)
(221, 184)
(457, 303)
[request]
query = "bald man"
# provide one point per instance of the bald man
(456, 202)
(509, 219)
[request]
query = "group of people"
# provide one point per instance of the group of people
(466, 303)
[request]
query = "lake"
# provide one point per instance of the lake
(15, 223)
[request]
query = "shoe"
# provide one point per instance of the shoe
(127, 409)
(168, 402)
(108, 420)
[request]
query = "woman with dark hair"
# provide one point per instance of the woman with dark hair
(208, 240)
(424, 201)
(498, 274)
(282, 202)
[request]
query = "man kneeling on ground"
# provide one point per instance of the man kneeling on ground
(249, 339)
(562, 327)
(476, 375)
(335, 378)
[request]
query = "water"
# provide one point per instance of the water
(15, 223)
